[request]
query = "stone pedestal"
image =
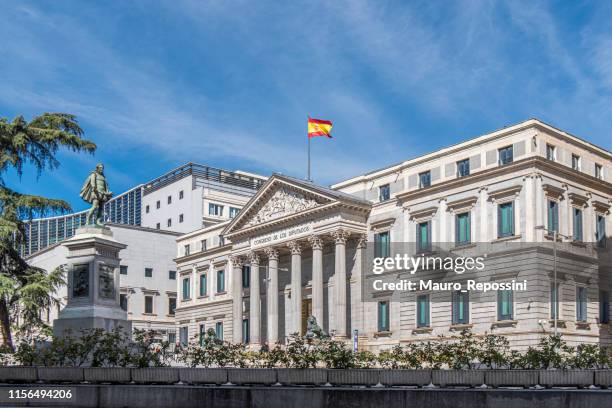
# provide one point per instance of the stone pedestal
(93, 284)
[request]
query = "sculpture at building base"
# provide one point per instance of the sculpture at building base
(314, 331)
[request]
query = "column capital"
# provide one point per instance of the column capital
(340, 236)
(236, 261)
(271, 253)
(362, 240)
(295, 248)
(253, 257)
(316, 242)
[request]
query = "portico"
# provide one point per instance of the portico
(299, 241)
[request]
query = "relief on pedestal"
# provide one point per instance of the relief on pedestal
(106, 281)
(80, 280)
(284, 202)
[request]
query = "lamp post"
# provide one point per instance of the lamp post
(554, 234)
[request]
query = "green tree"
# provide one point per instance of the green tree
(24, 289)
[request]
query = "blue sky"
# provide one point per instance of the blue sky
(230, 83)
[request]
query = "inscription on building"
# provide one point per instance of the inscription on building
(282, 235)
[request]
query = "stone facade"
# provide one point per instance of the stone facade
(296, 249)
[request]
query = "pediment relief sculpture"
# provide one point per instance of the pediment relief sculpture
(283, 202)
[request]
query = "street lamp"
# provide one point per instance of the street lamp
(554, 234)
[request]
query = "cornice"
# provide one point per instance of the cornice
(481, 177)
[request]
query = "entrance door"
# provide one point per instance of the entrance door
(306, 313)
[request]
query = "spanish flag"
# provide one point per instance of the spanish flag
(318, 127)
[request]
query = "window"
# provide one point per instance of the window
(504, 305)
(187, 249)
(123, 301)
(203, 285)
(147, 209)
(169, 222)
(600, 231)
(148, 304)
(575, 162)
(463, 168)
(148, 272)
(505, 155)
(554, 301)
(203, 244)
(577, 233)
(123, 269)
(604, 307)
(233, 211)
(423, 311)
(158, 204)
(172, 338)
(215, 209)
(201, 334)
(186, 289)
(461, 307)
(172, 275)
(245, 331)
(221, 240)
(550, 152)
(423, 234)
(462, 229)
(505, 220)
(553, 216)
(181, 217)
(169, 199)
(382, 247)
(246, 276)
(384, 193)
(598, 171)
(581, 304)
(158, 226)
(219, 330)
(171, 306)
(220, 281)
(184, 335)
(181, 194)
(383, 316)
(425, 179)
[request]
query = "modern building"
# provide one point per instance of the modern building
(182, 200)
(298, 249)
(148, 218)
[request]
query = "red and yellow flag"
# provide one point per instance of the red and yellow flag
(318, 127)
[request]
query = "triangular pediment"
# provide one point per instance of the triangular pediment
(279, 198)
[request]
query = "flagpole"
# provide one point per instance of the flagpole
(308, 158)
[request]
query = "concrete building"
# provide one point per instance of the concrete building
(298, 249)
(148, 218)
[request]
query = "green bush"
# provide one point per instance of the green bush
(99, 348)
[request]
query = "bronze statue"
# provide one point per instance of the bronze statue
(314, 331)
(95, 191)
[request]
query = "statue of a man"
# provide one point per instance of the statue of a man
(95, 191)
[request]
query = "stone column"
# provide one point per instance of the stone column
(484, 222)
(272, 295)
(529, 203)
(357, 304)
(539, 203)
(442, 238)
(340, 237)
(237, 298)
(588, 220)
(296, 286)
(255, 301)
(317, 279)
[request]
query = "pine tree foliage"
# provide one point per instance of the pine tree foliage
(26, 292)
